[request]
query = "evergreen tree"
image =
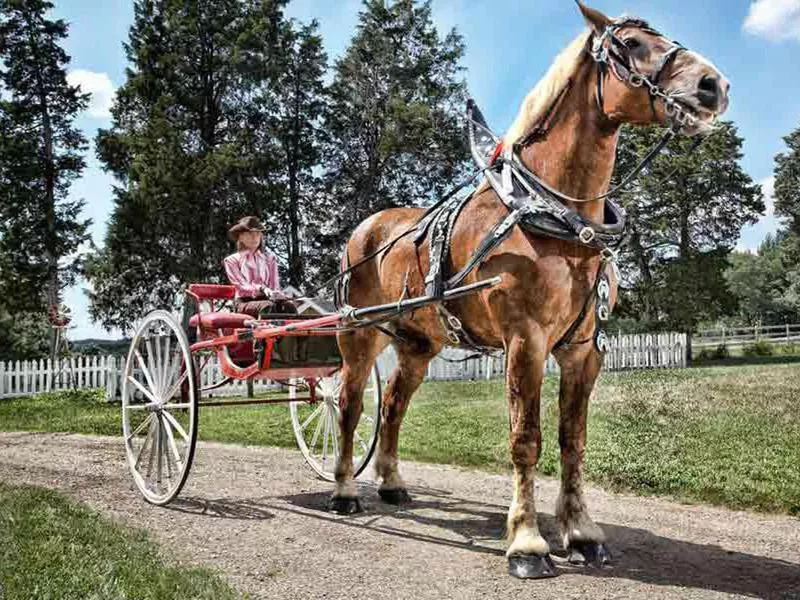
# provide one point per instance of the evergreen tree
(297, 128)
(395, 125)
(185, 147)
(686, 212)
(787, 182)
(41, 154)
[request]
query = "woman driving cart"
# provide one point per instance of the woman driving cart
(253, 270)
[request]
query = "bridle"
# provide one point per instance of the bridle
(611, 54)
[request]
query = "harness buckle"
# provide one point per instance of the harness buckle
(587, 235)
(635, 79)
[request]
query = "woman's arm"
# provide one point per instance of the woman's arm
(243, 287)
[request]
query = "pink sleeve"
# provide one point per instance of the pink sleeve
(273, 281)
(235, 276)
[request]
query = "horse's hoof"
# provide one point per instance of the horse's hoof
(396, 497)
(590, 554)
(531, 566)
(344, 506)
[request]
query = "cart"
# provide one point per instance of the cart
(166, 377)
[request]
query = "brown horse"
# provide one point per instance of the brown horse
(545, 281)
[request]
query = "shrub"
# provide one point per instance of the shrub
(721, 352)
(760, 348)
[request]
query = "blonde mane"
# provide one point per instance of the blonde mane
(546, 91)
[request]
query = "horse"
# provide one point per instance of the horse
(545, 281)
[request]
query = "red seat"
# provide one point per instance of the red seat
(219, 320)
(210, 291)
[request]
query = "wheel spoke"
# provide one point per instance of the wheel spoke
(335, 436)
(147, 440)
(147, 375)
(153, 444)
(173, 446)
(311, 416)
(159, 452)
(361, 441)
(174, 389)
(151, 357)
(142, 389)
(167, 365)
(157, 367)
(140, 427)
(316, 434)
(325, 436)
(177, 426)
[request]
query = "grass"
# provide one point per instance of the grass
(724, 435)
(52, 547)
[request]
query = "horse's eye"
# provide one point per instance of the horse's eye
(632, 43)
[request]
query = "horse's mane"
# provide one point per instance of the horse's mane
(546, 91)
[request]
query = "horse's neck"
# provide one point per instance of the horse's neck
(577, 155)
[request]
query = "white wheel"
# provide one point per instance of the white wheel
(316, 426)
(159, 407)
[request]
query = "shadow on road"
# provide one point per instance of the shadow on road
(437, 517)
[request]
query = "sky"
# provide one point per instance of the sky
(509, 45)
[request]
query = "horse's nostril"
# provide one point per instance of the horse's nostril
(708, 92)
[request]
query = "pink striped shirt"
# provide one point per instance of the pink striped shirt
(251, 272)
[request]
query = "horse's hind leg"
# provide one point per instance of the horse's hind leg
(412, 364)
(359, 351)
(582, 538)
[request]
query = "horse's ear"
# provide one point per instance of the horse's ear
(596, 20)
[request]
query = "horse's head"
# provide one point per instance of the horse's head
(647, 78)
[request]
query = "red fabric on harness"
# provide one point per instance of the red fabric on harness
(219, 320)
(498, 150)
(209, 291)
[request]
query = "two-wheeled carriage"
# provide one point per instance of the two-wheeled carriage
(162, 391)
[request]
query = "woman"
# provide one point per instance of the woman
(254, 272)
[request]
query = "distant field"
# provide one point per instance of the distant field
(723, 435)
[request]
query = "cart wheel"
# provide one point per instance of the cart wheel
(159, 407)
(316, 426)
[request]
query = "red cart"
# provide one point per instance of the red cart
(162, 389)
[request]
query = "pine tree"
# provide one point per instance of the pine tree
(686, 213)
(185, 148)
(787, 182)
(395, 125)
(41, 154)
(297, 128)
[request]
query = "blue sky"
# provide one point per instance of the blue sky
(510, 44)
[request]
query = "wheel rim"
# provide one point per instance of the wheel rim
(316, 426)
(159, 408)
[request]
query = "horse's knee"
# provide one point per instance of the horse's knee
(526, 446)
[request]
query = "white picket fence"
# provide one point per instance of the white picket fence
(24, 378)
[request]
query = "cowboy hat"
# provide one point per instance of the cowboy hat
(245, 224)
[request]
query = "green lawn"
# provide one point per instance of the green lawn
(53, 548)
(723, 435)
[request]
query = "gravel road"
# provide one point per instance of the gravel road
(258, 515)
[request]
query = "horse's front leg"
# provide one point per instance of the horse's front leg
(528, 553)
(583, 539)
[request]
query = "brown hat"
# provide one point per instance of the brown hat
(245, 224)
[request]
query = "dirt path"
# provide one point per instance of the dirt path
(258, 515)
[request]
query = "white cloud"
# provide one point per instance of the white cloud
(100, 86)
(774, 19)
(768, 189)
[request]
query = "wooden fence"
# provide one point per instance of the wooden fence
(741, 336)
(23, 378)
